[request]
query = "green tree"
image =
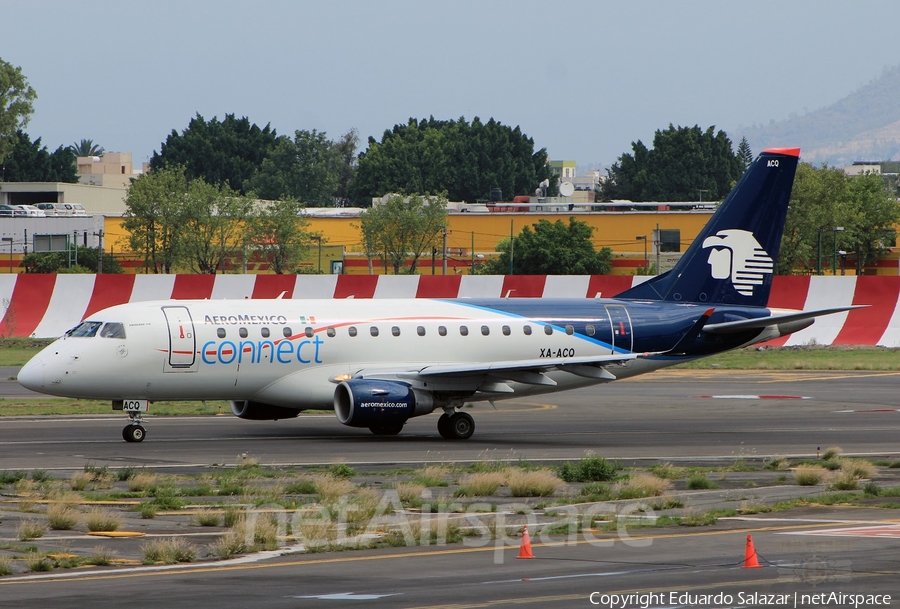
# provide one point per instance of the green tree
(154, 217)
(553, 248)
(403, 228)
(307, 168)
(464, 160)
(744, 153)
(30, 162)
(212, 222)
(278, 231)
(58, 262)
(225, 153)
(16, 105)
(684, 164)
(869, 218)
(86, 148)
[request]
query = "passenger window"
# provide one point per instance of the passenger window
(570, 330)
(86, 329)
(373, 330)
(526, 330)
(286, 331)
(463, 331)
(351, 330)
(548, 330)
(395, 330)
(485, 330)
(330, 332)
(309, 332)
(220, 332)
(589, 330)
(264, 332)
(113, 330)
(420, 330)
(242, 332)
(442, 330)
(506, 330)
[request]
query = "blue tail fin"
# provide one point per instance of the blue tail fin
(732, 260)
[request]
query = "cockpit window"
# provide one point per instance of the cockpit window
(113, 330)
(85, 329)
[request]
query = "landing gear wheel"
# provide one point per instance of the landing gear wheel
(458, 426)
(388, 429)
(134, 433)
(444, 427)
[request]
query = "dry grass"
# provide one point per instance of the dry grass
(62, 517)
(641, 485)
(483, 484)
(331, 488)
(810, 475)
(101, 520)
(209, 518)
(410, 492)
(30, 529)
(5, 566)
(102, 555)
(168, 551)
(80, 480)
(859, 468)
(142, 483)
(832, 452)
(537, 483)
(433, 475)
(316, 532)
(364, 506)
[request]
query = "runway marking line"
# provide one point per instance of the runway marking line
(891, 531)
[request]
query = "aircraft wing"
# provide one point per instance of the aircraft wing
(529, 371)
(731, 327)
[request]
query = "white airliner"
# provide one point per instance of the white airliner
(378, 363)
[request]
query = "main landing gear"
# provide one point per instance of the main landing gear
(456, 426)
(134, 431)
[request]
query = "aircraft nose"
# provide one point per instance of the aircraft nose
(31, 376)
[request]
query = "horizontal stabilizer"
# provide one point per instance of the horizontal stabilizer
(733, 327)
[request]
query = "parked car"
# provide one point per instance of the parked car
(31, 211)
(59, 209)
(11, 210)
(78, 209)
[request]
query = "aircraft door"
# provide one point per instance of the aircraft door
(182, 340)
(620, 321)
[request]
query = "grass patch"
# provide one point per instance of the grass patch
(30, 529)
(810, 475)
(102, 556)
(61, 517)
(433, 475)
(98, 520)
(589, 469)
(168, 551)
(482, 484)
(535, 483)
(641, 485)
(700, 482)
(5, 566)
(801, 358)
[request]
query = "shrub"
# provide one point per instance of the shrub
(832, 453)
(61, 517)
(845, 481)
(208, 518)
(30, 529)
(667, 470)
(589, 469)
(5, 566)
(341, 470)
(11, 477)
(777, 463)
(596, 491)
(860, 468)
(148, 510)
(641, 485)
(482, 484)
(332, 488)
(168, 550)
(433, 475)
(40, 475)
(301, 487)
(38, 562)
(231, 544)
(140, 483)
(410, 493)
(537, 483)
(101, 556)
(80, 480)
(699, 482)
(98, 520)
(810, 475)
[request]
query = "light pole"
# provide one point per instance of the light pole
(646, 260)
(10, 239)
(835, 231)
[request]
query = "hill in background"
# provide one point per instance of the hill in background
(864, 126)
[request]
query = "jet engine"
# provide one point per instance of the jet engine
(260, 411)
(373, 402)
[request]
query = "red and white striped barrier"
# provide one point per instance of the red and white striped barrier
(46, 306)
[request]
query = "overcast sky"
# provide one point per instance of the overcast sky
(582, 78)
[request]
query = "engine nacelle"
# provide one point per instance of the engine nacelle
(260, 411)
(370, 402)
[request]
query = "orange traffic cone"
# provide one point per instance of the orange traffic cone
(750, 560)
(525, 548)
